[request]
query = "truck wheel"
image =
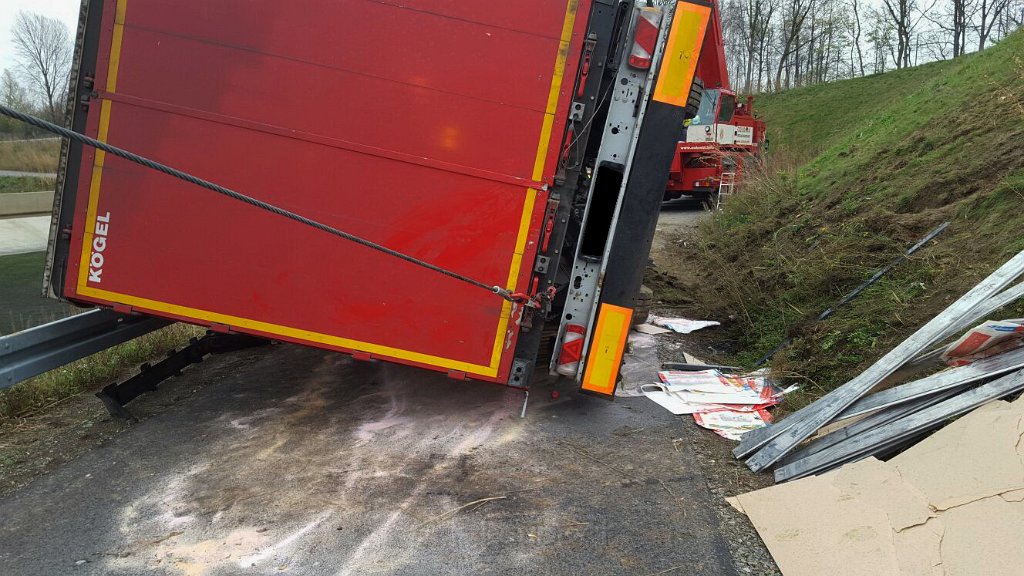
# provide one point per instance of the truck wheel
(644, 301)
(711, 201)
(693, 102)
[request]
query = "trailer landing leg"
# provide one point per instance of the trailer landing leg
(116, 396)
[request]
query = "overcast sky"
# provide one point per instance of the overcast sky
(65, 10)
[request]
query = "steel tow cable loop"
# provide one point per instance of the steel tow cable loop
(121, 153)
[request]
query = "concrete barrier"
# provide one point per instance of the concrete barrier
(26, 203)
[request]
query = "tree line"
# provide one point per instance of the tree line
(770, 45)
(774, 45)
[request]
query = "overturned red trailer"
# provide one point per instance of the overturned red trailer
(515, 143)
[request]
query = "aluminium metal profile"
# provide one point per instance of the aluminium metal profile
(782, 440)
(983, 309)
(868, 423)
(891, 434)
(31, 352)
(889, 446)
(757, 438)
(945, 380)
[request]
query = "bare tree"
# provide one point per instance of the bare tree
(734, 34)
(857, 30)
(793, 17)
(758, 23)
(988, 14)
(901, 14)
(881, 35)
(43, 50)
(954, 22)
(959, 21)
(781, 44)
(1013, 18)
(935, 44)
(13, 95)
(749, 38)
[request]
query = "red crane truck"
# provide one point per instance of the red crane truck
(722, 137)
(524, 145)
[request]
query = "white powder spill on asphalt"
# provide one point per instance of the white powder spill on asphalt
(272, 479)
(270, 552)
(378, 551)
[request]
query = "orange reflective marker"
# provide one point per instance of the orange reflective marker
(606, 350)
(679, 63)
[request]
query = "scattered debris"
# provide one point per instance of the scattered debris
(689, 367)
(732, 424)
(714, 387)
(767, 446)
(986, 362)
(639, 366)
(681, 325)
(989, 339)
(728, 404)
(896, 433)
(954, 378)
(952, 504)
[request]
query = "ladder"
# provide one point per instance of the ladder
(726, 187)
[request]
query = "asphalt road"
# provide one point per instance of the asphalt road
(676, 217)
(290, 459)
(286, 459)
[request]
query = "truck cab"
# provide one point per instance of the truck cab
(714, 121)
(722, 138)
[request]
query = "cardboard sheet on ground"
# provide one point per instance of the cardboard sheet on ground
(966, 461)
(951, 505)
(691, 359)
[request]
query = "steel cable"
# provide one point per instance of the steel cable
(121, 153)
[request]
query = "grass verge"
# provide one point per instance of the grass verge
(29, 155)
(11, 184)
(851, 186)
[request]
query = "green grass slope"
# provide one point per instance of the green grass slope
(859, 170)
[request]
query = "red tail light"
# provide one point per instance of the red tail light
(645, 38)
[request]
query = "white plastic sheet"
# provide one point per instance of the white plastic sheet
(681, 325)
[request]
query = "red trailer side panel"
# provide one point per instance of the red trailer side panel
(430, 127)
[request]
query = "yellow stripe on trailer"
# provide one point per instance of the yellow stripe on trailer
(679, 63)
(606, 350)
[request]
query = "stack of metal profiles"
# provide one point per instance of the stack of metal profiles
(865, 425)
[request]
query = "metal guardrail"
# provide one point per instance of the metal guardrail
(31, 352)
